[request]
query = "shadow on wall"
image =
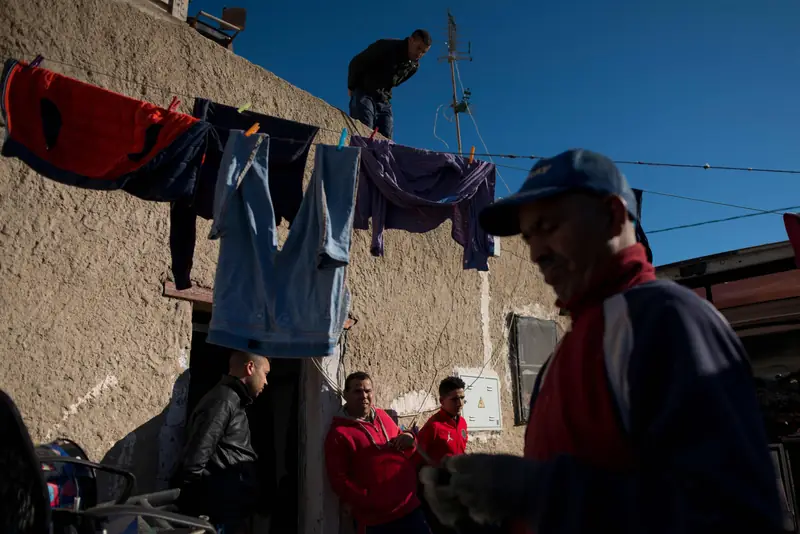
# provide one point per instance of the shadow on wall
(152, 450)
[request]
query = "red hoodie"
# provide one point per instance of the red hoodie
(378, 482)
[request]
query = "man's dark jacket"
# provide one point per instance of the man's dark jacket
(379, 68)
(217, 474)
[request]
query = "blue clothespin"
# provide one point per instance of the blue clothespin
(36, 61)
(342, 138)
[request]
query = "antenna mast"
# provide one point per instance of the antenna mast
(454, 55)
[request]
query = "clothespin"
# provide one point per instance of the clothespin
(243, 107)
(341, 139)
(372, 136)
(471, 155)
(253, 129)
(36, 61)
(174, 104)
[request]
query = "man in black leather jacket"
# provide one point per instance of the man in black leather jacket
(217, 474)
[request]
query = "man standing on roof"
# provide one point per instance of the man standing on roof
(645, 419)
(217, 473)
(443, 435)
(370, 467)
(373, 73)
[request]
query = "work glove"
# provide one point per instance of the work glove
(487, 488)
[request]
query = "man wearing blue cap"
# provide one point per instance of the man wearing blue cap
(645, 419)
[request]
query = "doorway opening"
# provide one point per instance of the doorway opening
(273, 417)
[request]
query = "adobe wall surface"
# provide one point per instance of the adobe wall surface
(92, 351)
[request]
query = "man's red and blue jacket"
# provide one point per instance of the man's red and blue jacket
(645, 420)
(85, 136)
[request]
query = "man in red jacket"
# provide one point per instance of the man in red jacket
(443, 435)
(370, 467)
(645, 419)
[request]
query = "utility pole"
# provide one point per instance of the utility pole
(454, 55)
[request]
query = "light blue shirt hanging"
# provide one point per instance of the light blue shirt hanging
(290, 302)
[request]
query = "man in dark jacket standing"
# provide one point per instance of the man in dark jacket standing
(645, 418)
(217, 474)
(374, 72)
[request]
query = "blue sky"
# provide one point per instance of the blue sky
(708, 81)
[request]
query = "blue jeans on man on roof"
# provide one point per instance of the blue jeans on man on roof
(373, 112)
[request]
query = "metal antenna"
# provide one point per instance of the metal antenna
(452, 56)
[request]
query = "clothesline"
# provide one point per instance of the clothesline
(355, 126)
(759, 211)
(705, 166)
(649, 191)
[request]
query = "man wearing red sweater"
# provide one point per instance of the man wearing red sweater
(370, 466)
(443, 435)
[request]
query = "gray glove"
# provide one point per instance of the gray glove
(488, 488)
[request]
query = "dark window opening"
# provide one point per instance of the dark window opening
(531, 342)
(273, 421)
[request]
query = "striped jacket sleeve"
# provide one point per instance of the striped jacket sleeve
(684, 390)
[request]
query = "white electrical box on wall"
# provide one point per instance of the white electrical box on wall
(482, 409)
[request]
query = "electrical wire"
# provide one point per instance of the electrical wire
(780, 211)
(706, 201)
(93, 70)
(331, 383)
(488, 362)
(478, 131)
(682, 197)
(436, 347)
(705, 166)
(435, 121)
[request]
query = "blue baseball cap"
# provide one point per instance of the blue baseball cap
(573, 170)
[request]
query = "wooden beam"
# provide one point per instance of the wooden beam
(729, 266)
(786, 311)
(775, 286)
(764, 330)
(202, 299)
(194, 294)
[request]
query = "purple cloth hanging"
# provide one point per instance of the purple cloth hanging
(417, 190)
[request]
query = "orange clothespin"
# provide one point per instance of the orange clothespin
(372, 135)
(471, 155)
(253, 129)
(174, 104)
